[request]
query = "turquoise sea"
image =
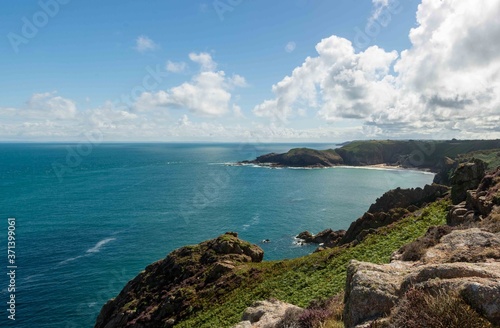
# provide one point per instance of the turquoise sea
(90, 217)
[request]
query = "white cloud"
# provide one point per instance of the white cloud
(175, 67)
(290, 47)
(338, 83)
(144, 44)
(383, 11)
(207, 94)
(204, 59)
(48, 106)
(447, 82)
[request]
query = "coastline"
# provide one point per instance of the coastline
(388, 168)
(385, 167)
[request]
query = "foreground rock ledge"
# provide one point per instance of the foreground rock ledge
(373, 290)
(162, 295)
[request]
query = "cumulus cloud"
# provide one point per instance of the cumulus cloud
(207, 94)
(175, 67)
(338, 83)
(448, 80)
(144, 44)
(204, 59)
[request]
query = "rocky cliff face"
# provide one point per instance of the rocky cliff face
(168, 290)
(389, 208)
(466, 177)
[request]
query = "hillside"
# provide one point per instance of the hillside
(410, 154)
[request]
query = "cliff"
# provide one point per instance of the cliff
(171, 289)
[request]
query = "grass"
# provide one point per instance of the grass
(314, 277)
(490, 157)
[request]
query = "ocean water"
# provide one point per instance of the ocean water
(90, 217)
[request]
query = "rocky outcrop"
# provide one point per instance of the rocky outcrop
(373, 291)
(326, 238)
(265, 314)
(403, 198)
(466, 177)
(391, 207)
(166, 291)
(478, 203)
(445, 168)
(462, 262)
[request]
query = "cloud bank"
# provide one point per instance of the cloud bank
(448, 81)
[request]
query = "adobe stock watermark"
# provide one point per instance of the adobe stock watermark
(365, 37)
(206, 194)
(31, 26)
(76, 153)
(150, 82)
(222, 7)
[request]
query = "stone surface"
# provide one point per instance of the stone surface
(466, 177)
(265, 314)
(373, 290)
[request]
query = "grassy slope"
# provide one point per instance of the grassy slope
(490, 157)
(317, 276)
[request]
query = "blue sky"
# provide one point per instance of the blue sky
(215, 64)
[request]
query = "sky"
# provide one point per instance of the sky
(239, 70)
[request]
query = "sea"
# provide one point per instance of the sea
(86, 218)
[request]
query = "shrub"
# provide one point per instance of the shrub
(419, 309)
(415, 250)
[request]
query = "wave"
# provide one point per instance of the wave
(99, 245)
(93, 250)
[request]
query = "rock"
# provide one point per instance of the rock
(470, 245)
(457, 215)
(368, 223)
(265, 314)
(445, 169)
(372, 290)
(485, 298)
(165, 292)
(327, 238)
(306, 236)
(403, 198)
(466, 177)
(478, 203)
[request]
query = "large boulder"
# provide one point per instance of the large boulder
(465, 262)
(478, 203)
(265, 314)
(466, 177)
(167, 290)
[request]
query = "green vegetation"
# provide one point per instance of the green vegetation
(411, 152)
(315, 277)
(490, 157)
